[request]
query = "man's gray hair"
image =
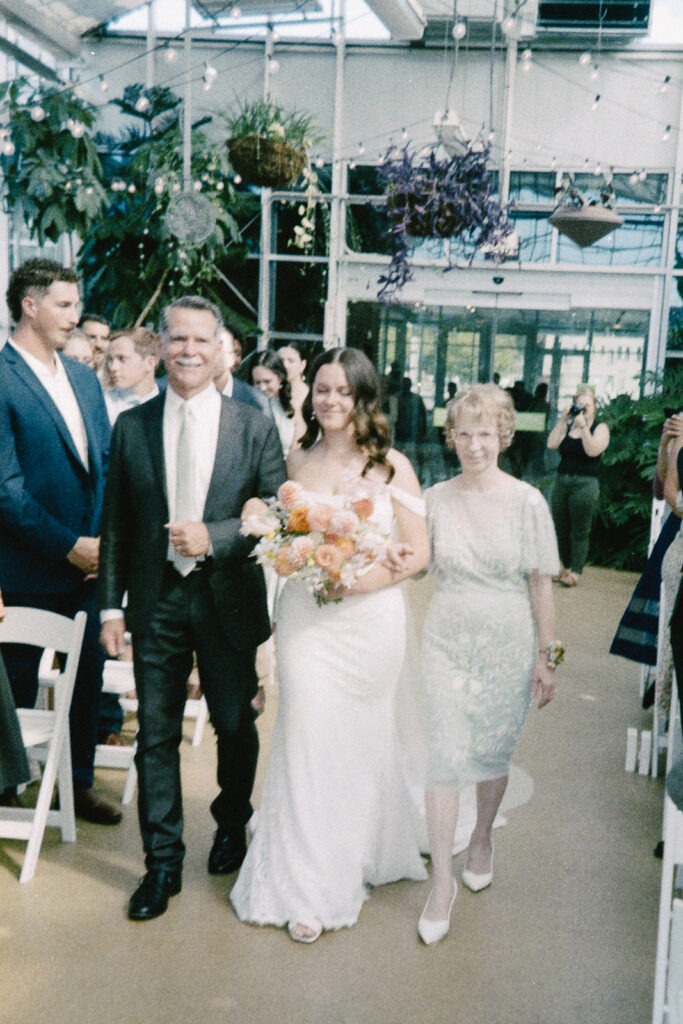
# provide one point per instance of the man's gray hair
(191, 302)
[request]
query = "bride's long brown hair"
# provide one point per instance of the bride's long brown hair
(371, 430)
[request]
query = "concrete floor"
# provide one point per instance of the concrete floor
(566, 934)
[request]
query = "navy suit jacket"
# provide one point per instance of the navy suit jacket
(48, 499)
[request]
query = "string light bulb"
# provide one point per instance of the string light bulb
(237, 180)
(664, 87)
(596, 102)
(553, 162)
(585, 58)
(8, 148)
(459, 30)
(595, 73)
(275, 36)
(170, 54)
(361, 149)
(210, 74)
(104, 84)
(77, 128)
(633, 178)
(37, 113)
(508, 26)
(338, 38)
(235, 11)
(642, 175)
(666, 134)
(273, 66)
(142, 104)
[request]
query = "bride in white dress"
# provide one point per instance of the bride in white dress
(335, 814)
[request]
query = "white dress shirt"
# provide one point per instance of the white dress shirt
(119, 399)
(60, 391)
(204, 413)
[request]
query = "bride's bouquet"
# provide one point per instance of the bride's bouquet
(307, 538)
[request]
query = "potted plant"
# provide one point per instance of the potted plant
(268, 146)
(51, 172)
(430, 195)
(584, 221)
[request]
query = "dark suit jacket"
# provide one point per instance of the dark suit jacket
(249, 395)
(134, 544)
(47, 497)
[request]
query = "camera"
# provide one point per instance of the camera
(498, 280)
(576, 410)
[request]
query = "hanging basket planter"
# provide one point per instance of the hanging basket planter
(585, 224)
(432, 195)
(425, 216)
(270, 163)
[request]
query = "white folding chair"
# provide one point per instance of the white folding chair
(118, 678)
(45, 732)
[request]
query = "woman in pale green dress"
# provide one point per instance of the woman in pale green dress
(489, 642)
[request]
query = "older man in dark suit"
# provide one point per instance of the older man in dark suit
(182, 466)
(54, 442)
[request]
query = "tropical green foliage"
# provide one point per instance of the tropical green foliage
(621, 531)
(130, 259)
(271, 121)
(51, 171)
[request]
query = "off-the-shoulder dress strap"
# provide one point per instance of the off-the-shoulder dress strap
(409, 501)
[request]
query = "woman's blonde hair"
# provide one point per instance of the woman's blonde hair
(483, 400)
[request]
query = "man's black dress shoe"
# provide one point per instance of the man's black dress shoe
(228, 851)
(92, 807)
(150, 899)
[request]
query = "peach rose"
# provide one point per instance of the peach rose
(344, 522)
(298, 520)
(329, 558)
(300, 550)
(319, 517)
(346, 546)
(363, 508)
(282, 564)
(290, 494)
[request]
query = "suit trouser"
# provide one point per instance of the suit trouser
(573, 503)
(185, 621)
(21, 662)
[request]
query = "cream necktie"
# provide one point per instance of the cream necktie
(184, 485)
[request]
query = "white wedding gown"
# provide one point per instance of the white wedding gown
(335, 814)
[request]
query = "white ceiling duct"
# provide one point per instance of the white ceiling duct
(403, 18)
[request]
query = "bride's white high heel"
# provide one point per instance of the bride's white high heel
(313, 932)
(475, 882)
(433, 931)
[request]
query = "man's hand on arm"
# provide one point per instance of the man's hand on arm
(85, 555)
(189, 539)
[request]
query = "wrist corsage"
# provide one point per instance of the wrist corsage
(554, 654)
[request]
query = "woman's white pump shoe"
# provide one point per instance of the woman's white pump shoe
(474, 882)
(433, 931)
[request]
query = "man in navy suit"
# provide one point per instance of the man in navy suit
(54, 444)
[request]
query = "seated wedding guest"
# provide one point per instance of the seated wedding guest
(96, 330)
(14, 769)
(489, 636)
(269, 376)
(131, 362)
(293, 355)
(672, 493)
(580, 440)
(637, 636)
(227, 383)
(335, 814)
(79, 348)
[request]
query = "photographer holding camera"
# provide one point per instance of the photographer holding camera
(580, 441)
